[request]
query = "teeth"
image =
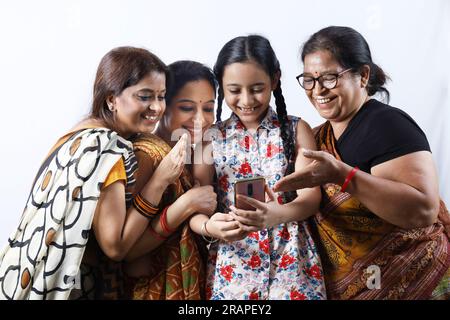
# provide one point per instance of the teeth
(150, 117)
(323, 100)
(247, 109)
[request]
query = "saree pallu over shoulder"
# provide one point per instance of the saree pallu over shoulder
(176, 269)
(43, 256)
(365, 257)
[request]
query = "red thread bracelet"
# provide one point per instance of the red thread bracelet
(349, 178)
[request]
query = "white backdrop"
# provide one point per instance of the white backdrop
(50, 51)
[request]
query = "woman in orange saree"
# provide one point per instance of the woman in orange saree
(174, 270)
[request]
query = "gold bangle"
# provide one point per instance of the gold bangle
(203, 230)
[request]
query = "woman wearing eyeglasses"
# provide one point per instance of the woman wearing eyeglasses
(383, 231)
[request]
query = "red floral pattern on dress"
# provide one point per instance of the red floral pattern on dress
(247, 142)
(254, 235)
(253, 296)
(245, 168)
(255, 261)
(314, 272)
(284, 234)
(269, 150)
(286, 260)
(272, 150)
(264, 246)
(296, 295)
(223, 181)
(227, 272)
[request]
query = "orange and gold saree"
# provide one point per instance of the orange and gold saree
(356, 246)
(176, 269)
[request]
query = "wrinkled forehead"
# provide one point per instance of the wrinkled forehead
(320, 62)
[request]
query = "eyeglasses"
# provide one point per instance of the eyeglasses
(328, 81)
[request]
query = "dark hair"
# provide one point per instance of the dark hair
(350, 50)
(185, 71)
(257, 49)
(119, 69)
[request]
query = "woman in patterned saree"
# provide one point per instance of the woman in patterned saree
(170, 264)
(78, 218)
(382, 229)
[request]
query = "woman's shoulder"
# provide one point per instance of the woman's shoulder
(88, 127)
(87, 124)
(103, 137)
(380, 133)
(302, 125)
(89, 136)
(379, 118)
(380, 112)
(299, 125)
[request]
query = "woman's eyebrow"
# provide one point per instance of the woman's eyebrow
(239, 85)
(148, 90)
(186, 100)
(321, 73)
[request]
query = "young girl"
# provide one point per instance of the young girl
(266, 253)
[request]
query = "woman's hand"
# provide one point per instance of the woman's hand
(201, 199)
(170, 168)
(324, 169)
(223, 226)
(267, 214)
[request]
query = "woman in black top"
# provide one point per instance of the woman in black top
(383, 231)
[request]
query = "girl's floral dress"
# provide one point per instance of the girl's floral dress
(277, 263)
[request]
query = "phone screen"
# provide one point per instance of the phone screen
(252, 188)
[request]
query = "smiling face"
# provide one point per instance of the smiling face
(138, 108)
(247, 91)
(192, 109)
(340, 104)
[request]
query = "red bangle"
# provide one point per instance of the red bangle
(163, 221)
(156, 234)
(349, 178)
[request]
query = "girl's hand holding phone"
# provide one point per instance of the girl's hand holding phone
(266, 214)
(223, 226)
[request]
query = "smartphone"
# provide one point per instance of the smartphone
(252, 188)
